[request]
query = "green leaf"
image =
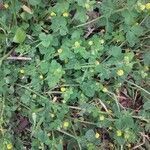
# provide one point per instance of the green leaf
(20, 36)
(90, 135)
(88, 88)
(81, 15)
(115, 51)
(131, 38)
(55, 73)
(146, 58)
(128, 17)
(147, 105)
(46, 39)
(59, 24)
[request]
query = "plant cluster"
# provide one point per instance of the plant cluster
(74, 74)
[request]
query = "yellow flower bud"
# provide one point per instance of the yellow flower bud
(126, 59)
(146, 68)
(142, 7)
(6, 5)
(147, 6)
(90, 43)
(9, 146)
(52, 115)
(65, 14)
(63, 89)
(129, 145)
(97, 135)
(120, 72)
(34, 96)
(101, 117)
(102, 41)
(60, 50)
(87, 6)
(53, 14)
(22, 71)
(105, 90)
(41, 77)
(48, 134)
(96, 62)
(77, 44)
(119, 133)
(66, 124)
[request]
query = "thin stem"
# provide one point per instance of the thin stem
(5, 56)
(138, 86)
(103, 16)
(68, 134)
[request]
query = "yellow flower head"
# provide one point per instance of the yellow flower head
(126, 59)
(126, 135)
(90, 43)
(87, 6)
(147, 6)
(96, 62)
(66, 124)
(34, 96)
(119, 133)
(105, 90)
(97, 135)
(102, 41)
(146, 68)
(52, 115)
(141, 6)
(101, 117)
(6, 5)
(120, 72)
(22, 71)
(41, 77)
(60, 50)
(129, 145)
(53, 14)
(9, 146)
(77, 44)
(63, 89)
(65, 14)
(48, 134)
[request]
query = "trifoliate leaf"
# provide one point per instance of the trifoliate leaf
(20, 36)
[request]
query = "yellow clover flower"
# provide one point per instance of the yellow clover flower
(60, 50)
(105, 90)
(119, 133)
(66, 124)
(65, 14)
(41, 77)
(102, 41)
(97, 62)
(101, 117)
(52, 115)
(9, 146)
(63, 89)
(97, 135)
(120, 72)
(53, 14)
(22, 71)
(90, 43)
(6, 5)
(87, 6)
(77, 44)
(147, 6)
(141, 6)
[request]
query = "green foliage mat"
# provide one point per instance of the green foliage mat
(74, 74)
